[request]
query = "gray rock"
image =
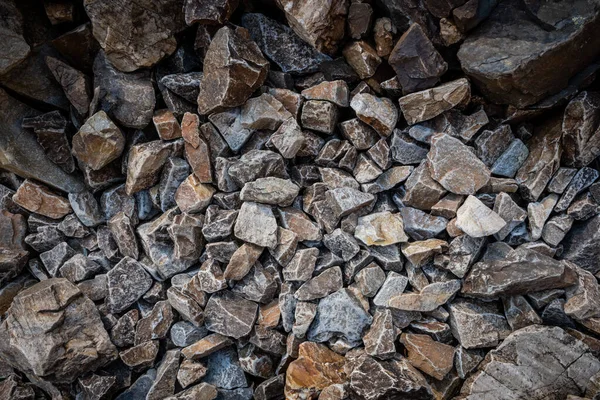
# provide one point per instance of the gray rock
(370, 279)
(428, 299)
(259, 285)
(580, 138)
(224, 370)
(342, 244)
(320, 116)
(510, 212)
(186, 85)
(581, 181)
(362, 58)
(420, 225)
(289, 139)
(301, 266)
(556, 229)
(257, 164)
(561, 180)
(127, 282)
(511, 160)
(477, 220)
(271, 190)
(230, 315)
(54, 258)
(519, 312)
(79, 268)
(538, 213)
(139, 389)
(322, 285)
(345, 201)
(86, 208)
(422, 191)
(393, 285)
(427, 104)
(583, 299)
(174, 171)
(123, 233)
(166, 374)
(256, 224)
(184, 333)
(477, 324)
(406, 150)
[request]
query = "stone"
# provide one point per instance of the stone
(123, 233)
(582, 299)
(289, 139)
(362, 58)
(79, 268)
(190, 372)
(282, 46)
(477, 220)
(389, 179)
(210, 277)
(428, 299)
(14, 44)
(510, 212)
(303, 317)
(206, 346)
(86, 208)
(230, 315)
(360, 16)
(257, 164)
(271, 190)
(434, 358)
(192, 196)
(379, 113)
(477, 324)
(209, 13)
(509, 162)
(460, 173)
(579, 140)
(383, 32)
(229, 125)
(127, 282)
(556, 228)
(503, 79)
(224, 370)
(393, 285)
(419, 225)
(185, 85)
(380, 229)
(271, 388)
(256, 224)
(422, 191)
(129, 50)
(516, 274)
(370, 279)
(166, 125)
(466, 361)
(335, 92)
(342, 244)
(223, 86)
(428, 104)
(581, 181)
(421, 252)
(319, 115)
(145, 162)
(519, 312)
(76, 85)
(320, 25)
(491, 144)
(122, 333)
(561, 180)
(185, 306)
(174, 172)
(156, 324)
(562, 364)
(417, 63)
(322, 285)
(583, 208)
(380, 338)
(448, 206)
(365, 169)
(186, 234)
(37, 198)
(45, 318)
(345, 201)
(128, 98)
(538, 213)
(242, 261)
(166, 374)
(301, 266)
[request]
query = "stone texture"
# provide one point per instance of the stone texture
(209, 13)
(145, 162)
(510, 212)
(193, 196)
(362, 58)
(230, 314)
(127, 282)
(428, 104)
(428, 299)
(433, 358)
(379, 340)
(476, 324)
(76, 85)
(379, 113)
(580, 136)
(274, 191)
(477, 220)
(380, 229)
(422, 191)
(256, 224)
(538, 213)
(322, 285)
(37, 198)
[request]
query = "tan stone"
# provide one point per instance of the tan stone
(419, 253)
(434, 358)
(98, 142)
(39, 199)
(193, 196)
(242, 261)
(380, 229)
(166, 124)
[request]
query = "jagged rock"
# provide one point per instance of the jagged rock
(208, 12)
(206, 346)
(79, 268)
(185, 306)
(383, 32)
(516, 274)
(492, 143)
(416, 62)
(476, 324)
(303, 317)
(389, 179)
(511, 160)
(166, 125)
(583, 299)
(477, 220)
(223, 86)
(581, 181)
(428, 299)
(379, 113)
(218, 223)
(538, 213)
(184, 334)
(127, 282)
(193, 196)
(257, 164)
(510, 212)
(14, 45)
(561, 180)
(289, 139)
(38, 199)
(580, 138)
(519, 312)
(190, 372)
(186, 85)
(393, 285)
(242, 261)
(174, 172)
(370, 279)
(281, 45)
(123, 233)
(345, 201)
(224, 370)
(421, 190)
(45, 318)
(583, 208)
(560, 363)
(428, 104)
(434, 358)
(380, 229)
(342, 244)
(335, 92)
(145, 162)
(166, 374)
(420, 225)
(319, 24)
(556, 229)
(230, 315)
(362, 58)
(302, 265)
(365, 169)
(186, 234)
(275, 191)
(86, 208)
(508, 76)
(256, 224)
(379, 340)
(322, 285)
(156, 324)
(76, 85)
(318, 115)
(421, 252)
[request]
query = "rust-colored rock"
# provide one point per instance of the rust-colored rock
(37, 198)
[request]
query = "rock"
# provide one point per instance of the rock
(76, 85)
(583, 208)
(193, 196)
(271, 388)
(342, 244)
(79, 268)
(223, 86)
(579, 140)
(448, 206)
(156, 324)
(209, 13)
(339, 314)
(206, 346)
(371, 379)
(370, 279)
(166, 125)
(321, 116)
(360, 134)
(186, 85)
(282, 46)
(510, 212)
(185, 306)
(145, 162)
(289, 139)
(389, 179)
(242, 261)
(14, 46)
(37, 198)
(166, 374)
(45, 318)
(428, 299)
(422, 191)
(360, 16)
(393, 285)
(511, 160)
(210, 277)
(421, 252)
(433, 358)
(383, 32)
(379, 340)
(582, 299)
(548, 353)
(186, 234)
(127, 97)
(274, 191)
(428, 104)
(114, 27)
(519, 312)
(257, 164)
(477, 324)
(538, 214)
(500, 72)
(174, 172)
(561, 180)
(476, 220)
(256, 224)
(320, 25)
(420, 225)
(366, 170)
(379, 113)
(127, 282)
(224, 370)
(230, 315)
(362, 58)
(556, 229)
(492, 143)
(302, 265)
(516, 274)
(190, 372)
(416, 62)
(86, 208)
(322, 285)
(303, 317)
(581, 181)
(460, 173)
(380, 229)
(123, 233)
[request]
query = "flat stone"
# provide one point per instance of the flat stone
(210, 277)
(127, 282)
(389, 179)
(187, 307)
(322, 285)
(422, 191)
(379, 113)
(190, 372)
(86, 208)
(145, 162)
(166, 375)
(380, 229)
(434, 358)
(538, 213)
(257, 164)
(362, 58)
(560, 363)
(335, 92)
(37, 198)
(419, 225)
(230, 315)
(421, 252)
(510, 212)
(428, 299)
(519, 312)
(256, 224)
(46, 317)
(79, 268)
(517, 274)
(222, 85)
(345, 201)
(156, 324)
(123, 233)
(477, 220)
(477, 324)
(206, 346)
(428, 104)
(499, 70)
(416, 62)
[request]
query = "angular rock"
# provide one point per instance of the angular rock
(302, 265)
(166, 374)
(145, 162)
(256, 224)
(421, 190)
(580, 138)
(511, 160)
(379, 340)
(428, 299)
(477, 220)
(476, 324)
(230, 315)
(380, 229)
(421, 252)
(224, 370)
(583, 299)
(274, 191)
(186, 234)
(257, 164)
(185, 85)
(127, 282)
(345, 201)
(362, 58)
(434, 358)
(420, 225)
(581, 181)
(190, 372)
(510, 212)
(379, 113)
(370, 279)
(192, 196)
(209, 12)
(322, 285)
(561, 180)
(185, 306)
(76, 85)
(38, 199)
(289, 139)
(123, 233)
(335, 92)
(242, 261)
(318, 115)
(538, 213)
(79, 268)
(519, 312)
(556, 229)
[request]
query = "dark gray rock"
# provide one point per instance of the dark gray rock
(230, 315)
(127, 282)
(224, 370)
(582, 245)
(581, 181)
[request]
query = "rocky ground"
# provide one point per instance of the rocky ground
(299, 199)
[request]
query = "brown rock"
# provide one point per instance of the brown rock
(166, 124)
(242, 261)
(192, 196)
(98, 142)
(334, 91)
(581, 139)
(76, 85)
(318, 115)
(379, 339)
(419, 253)
(145, 162)
(206, 346)
(380, 229)
(379, 113)
(384, 31)
(360, 16)
(422, 191)
(141, 356)
(434, 358)
(362, 58)
(38, 199)
(209, 12)
(190, 372)
(230, 315)
(428, 299)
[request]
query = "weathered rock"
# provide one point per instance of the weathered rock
(303, 316)
(289, 139)
(186, 85)
(145, 162)
(256, 224)
(14, 45)
(365, 169)
(581, 181)
(127, 282)
(580, 138)
(186, 234)
(257, 164)
(335, 92)
(322, 285)
(508, 76)
(86, 208)
(434, 358)
(242, 261)
(561, 180)
(477, 220)
(345, 201)
(320, 25)
(302, 265)
(380, 229)
(362, 58)
(510, 212)
(209, 13)
(206, 346)
(420, 225)
(428, 104)
(230, 315)
(560, 363)
(455, 167)
(556, 229)
(383, 32)
(379, 113)
(282, 46)
(583, 298)
(37, 198)
(193, 196)
(511, 160)
(379, 340)
(492, 143)
(428, 299)
(275, 191)
(421, 252)
(45, 318)
(79, 268)
(394, 285)
(318, 115)
(516, 274)
(223, 86)
(123, 233)
(190, 372)
(370, 279)
(421, 190)
(519, 312)
(76, 85)
(476, 324)
(538, 213)
(416, 62)
(224, 370)
(342, 244)
(185, 306)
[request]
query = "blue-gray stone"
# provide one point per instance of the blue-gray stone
(581, 181)
(235, 394)
(140, 387)
(224, 370)
(510, 161)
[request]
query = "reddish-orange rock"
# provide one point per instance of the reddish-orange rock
(434, 358)
(166, 125)
(39, 199)
(193, 196)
